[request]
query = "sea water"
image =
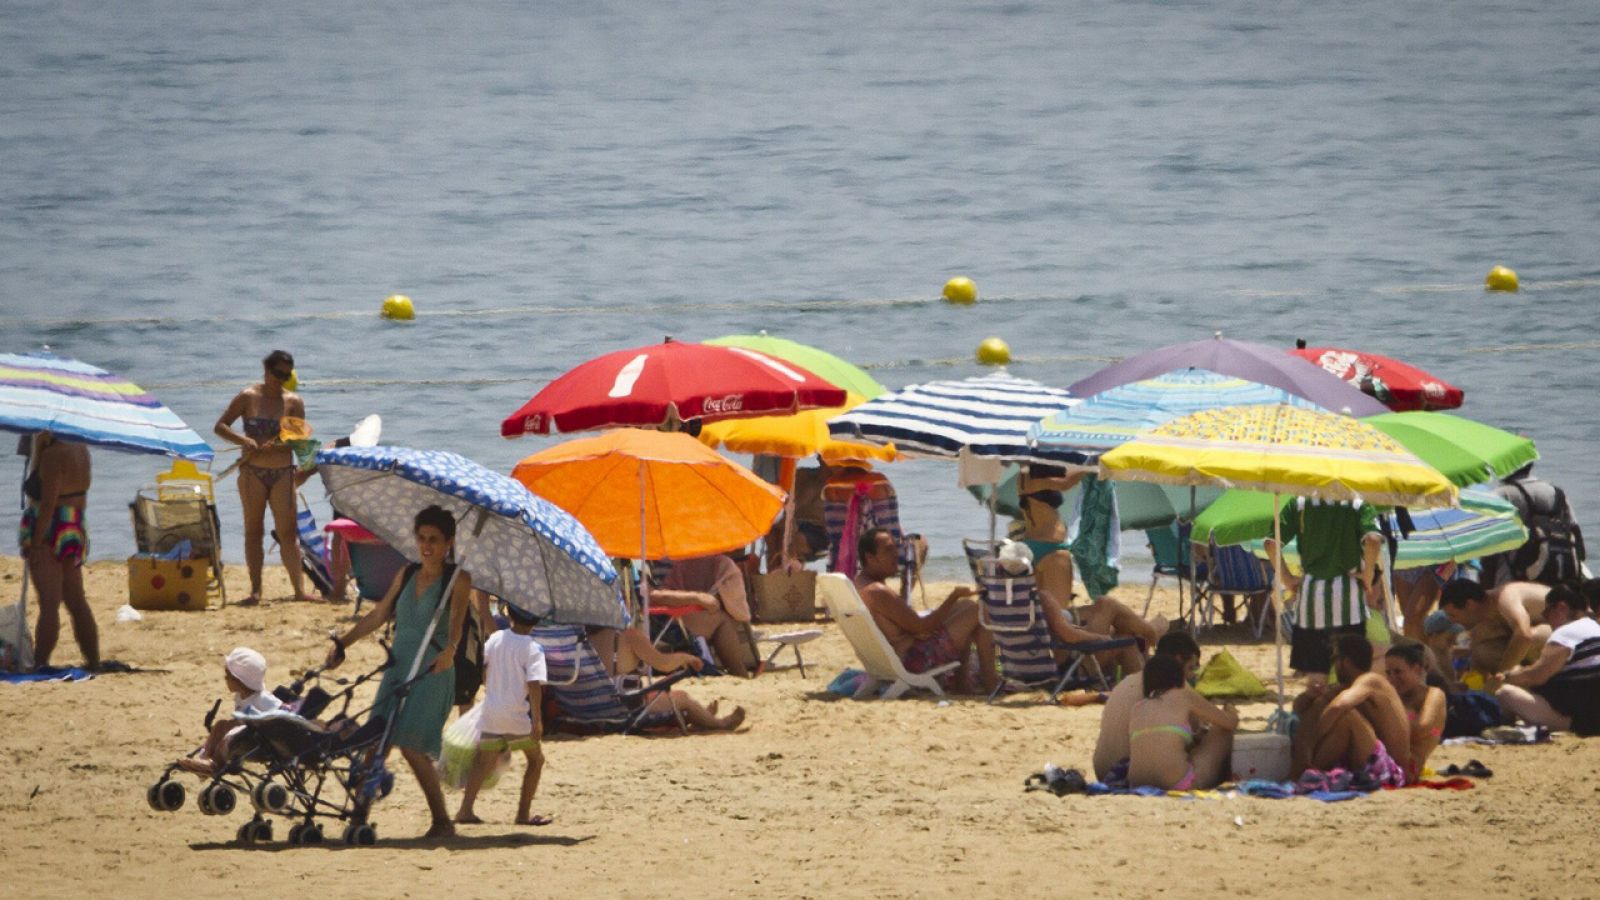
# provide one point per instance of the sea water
(186, 186)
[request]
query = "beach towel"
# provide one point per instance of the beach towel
(1094, 537)
(47, 673)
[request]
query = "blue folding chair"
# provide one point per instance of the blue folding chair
(1233, 570)
(1169, 547)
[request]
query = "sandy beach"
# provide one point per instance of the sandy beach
(817, 797)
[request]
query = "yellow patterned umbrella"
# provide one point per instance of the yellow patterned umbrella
(1283, 450)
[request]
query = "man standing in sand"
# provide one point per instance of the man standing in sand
(1212, 749)
(946, 635)
(1505, 626)
(1358, 724)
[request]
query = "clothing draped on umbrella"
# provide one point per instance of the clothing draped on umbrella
(1484, 524)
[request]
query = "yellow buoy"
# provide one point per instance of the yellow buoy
(398, 306)
(960, 289)
(1501, 278)
(994, 352)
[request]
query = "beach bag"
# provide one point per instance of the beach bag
(461, 750)
(1555, 544)
(1468, 713)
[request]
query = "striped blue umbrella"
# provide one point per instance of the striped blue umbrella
(1484, 524)
(519, 547)
(1114, 416)
(988, 416)
(79, 402)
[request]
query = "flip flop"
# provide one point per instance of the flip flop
(1475, 769)
(537, 821)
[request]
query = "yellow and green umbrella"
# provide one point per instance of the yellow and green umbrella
(1283, 450)
(819, 362)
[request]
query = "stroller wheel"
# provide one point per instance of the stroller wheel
(255, 831)
(311, 834)
(360, 835)
(296, 833)
(170, 794)
(217, 799)
(270, 797)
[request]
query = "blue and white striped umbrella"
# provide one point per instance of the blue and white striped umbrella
(1113, 417)
(989, 416)
(517, 546)
(79, 402)
(1484, 524)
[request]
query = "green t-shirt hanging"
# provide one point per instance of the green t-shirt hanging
(1329, 534)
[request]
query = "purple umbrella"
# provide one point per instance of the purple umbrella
(1241, 359)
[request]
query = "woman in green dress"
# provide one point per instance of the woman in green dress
(413, 601)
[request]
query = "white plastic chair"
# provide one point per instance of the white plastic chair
(882, 664)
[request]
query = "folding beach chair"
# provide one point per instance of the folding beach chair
(1169, 546)
(977, 550)
(1232, 570)
(1023, 643)
(877, 656)
(372, 564)
(588, 697)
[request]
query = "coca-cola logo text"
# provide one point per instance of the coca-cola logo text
(712, 406)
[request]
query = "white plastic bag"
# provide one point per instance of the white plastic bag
(461, 750)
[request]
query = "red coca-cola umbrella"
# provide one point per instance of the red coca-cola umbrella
(667, 382)
(1393, 383)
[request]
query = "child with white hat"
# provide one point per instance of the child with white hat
(245, 674)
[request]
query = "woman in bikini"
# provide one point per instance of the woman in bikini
(1406, 665)
(267, 471)
(1168, 747)
(55, 542)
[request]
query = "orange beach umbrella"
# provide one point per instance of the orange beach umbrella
(652, 494)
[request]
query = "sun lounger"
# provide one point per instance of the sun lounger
(1024, 646)
(877, 655)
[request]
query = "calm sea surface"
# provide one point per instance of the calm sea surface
(185, 186)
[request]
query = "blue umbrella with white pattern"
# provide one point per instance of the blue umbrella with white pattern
(518, 546)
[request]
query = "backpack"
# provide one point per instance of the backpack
(1554, 549)
(1468, 713)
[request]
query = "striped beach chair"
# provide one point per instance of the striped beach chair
(1232, 570)
(1024, 646)
(587, 696)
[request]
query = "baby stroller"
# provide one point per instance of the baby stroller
(292, 764)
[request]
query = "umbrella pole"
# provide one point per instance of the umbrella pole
(644, 609)
(786, 478)
(24, 660)
(1277, 594)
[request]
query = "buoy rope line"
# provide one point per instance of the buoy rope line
(622, 309)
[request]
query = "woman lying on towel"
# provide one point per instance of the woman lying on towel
(1177, 739)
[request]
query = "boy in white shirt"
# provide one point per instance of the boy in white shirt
(513, 679)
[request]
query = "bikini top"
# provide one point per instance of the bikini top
(1179, 730)
(262, 428)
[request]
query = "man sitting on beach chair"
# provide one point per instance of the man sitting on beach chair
(946, 635)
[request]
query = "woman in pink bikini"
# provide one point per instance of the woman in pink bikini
(1163, 750)
(267, 472)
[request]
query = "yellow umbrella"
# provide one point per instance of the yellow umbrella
(652, 494)
(1283, 450)
(796, 436)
